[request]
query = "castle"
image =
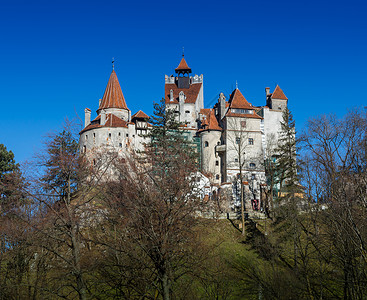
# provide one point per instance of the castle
(234, 136)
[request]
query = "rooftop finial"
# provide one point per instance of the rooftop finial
(113, 63)
(236, 85)
(183, 51)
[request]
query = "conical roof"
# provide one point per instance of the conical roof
(278, 94)
(183, 67)
(113, 96)
(237, 100)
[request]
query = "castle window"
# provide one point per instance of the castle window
(206, 144)
(94, 162)
(217, 177)
(253, 176)
(236, 160)
(187, 111)
(218, 143)
(119, 133)
(94, 134)
(238, 140)
(217, 163)
(127, 135)
(120, 145)
(84, 149)
(252, 165)
(250, 141)
(109, 135)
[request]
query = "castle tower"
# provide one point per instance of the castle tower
(276, 100)
(184, 95)
(210, 137)
(112, 128)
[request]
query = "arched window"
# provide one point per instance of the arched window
(206, 144)
(217, 163)
(217, 176)
(252, 165)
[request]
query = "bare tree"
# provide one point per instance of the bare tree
(245, 157)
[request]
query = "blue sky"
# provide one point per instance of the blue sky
(55, 56)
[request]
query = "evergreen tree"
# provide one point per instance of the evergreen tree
(61, 164)
(286, 167)
(7, 162)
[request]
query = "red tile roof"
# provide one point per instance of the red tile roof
(140, 115)
(278, 94)
(237, 100)
(210, 121)
(111, 121)
(113, 97)
(191, 93)
(183, 66)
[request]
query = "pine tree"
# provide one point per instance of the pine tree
(7, 162)
(286, 167)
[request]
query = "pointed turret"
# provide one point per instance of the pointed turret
(278, 94)
(183, 67)
(276, 100)
(113, 96)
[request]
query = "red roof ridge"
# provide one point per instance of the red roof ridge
(278, 94)
(113, 96)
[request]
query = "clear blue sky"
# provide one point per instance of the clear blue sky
(55, 56)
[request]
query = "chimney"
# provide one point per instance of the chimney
(103, 117)
(222, 105)
(171, 95)
(87, 113)
(267, 90)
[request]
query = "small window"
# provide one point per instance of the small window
(187, 111)
(127, 135)
(236, 160)
(86, 136)
(218, 143)
(94, 135)
(120, 145)
(252, 165)
(119, 133)
(243, 124)
(217, 177)
(217, 163)
(109, 135)
(238, 140)
(253, 176)
(206, 144)
(250, 141)
(84, 149)
(94, 162)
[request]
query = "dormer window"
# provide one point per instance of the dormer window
(242, 111)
